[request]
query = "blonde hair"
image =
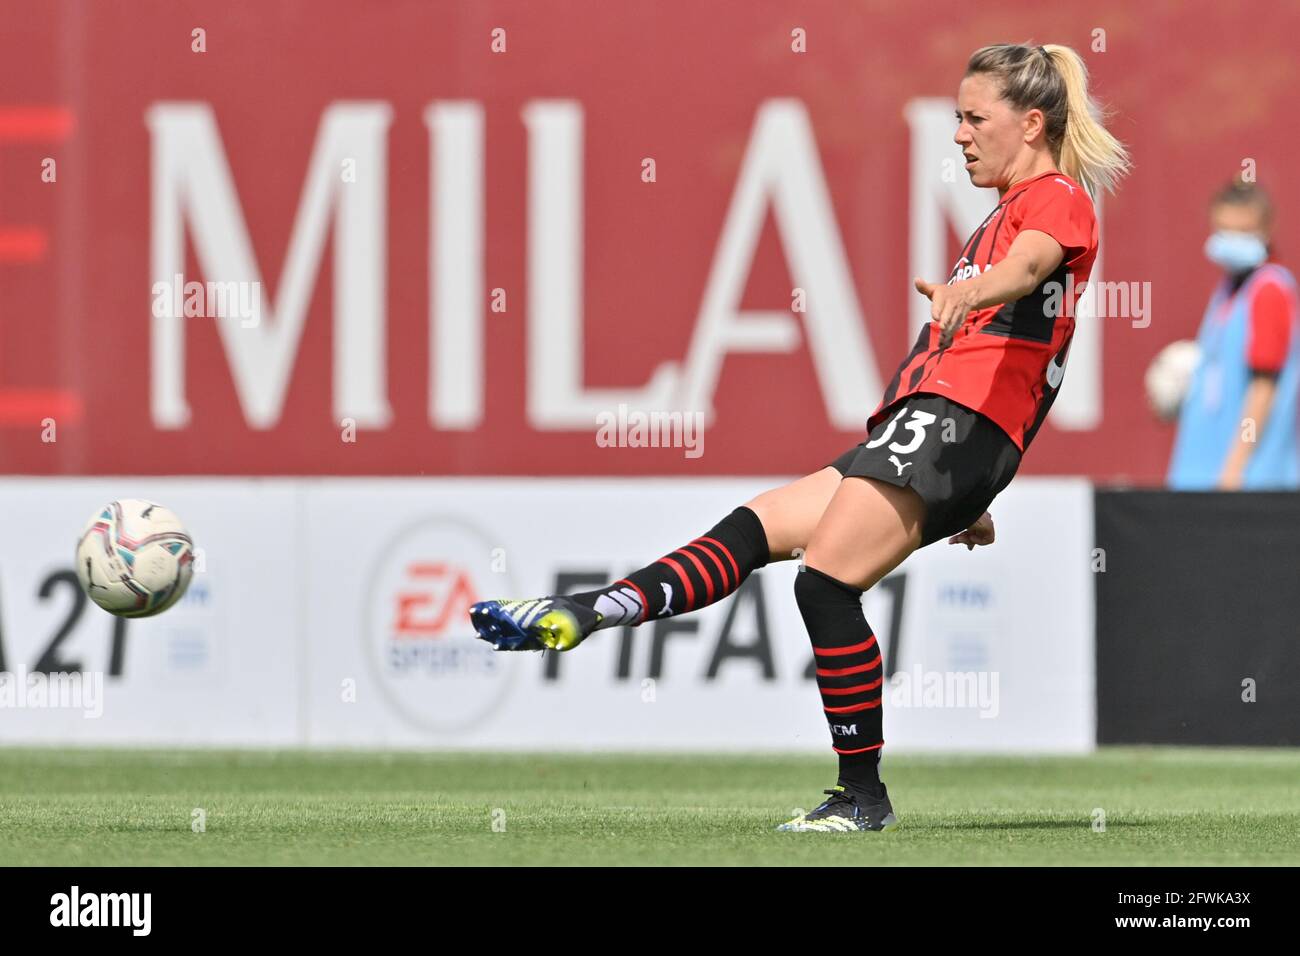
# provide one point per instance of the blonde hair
(1054, 79)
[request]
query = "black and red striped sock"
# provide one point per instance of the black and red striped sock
(850, 671)
(696, 575)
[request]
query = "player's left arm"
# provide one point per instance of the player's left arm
(1033, 257)
(1254, 413)
(1266, 351)
(981, 533)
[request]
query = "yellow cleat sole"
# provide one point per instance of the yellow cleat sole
(557, 630)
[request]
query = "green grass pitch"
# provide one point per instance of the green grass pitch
(1167, 806)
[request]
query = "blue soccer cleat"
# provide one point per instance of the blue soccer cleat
(550, 623)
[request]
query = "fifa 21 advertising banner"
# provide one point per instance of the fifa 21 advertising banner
(332, 613)
(452, 237)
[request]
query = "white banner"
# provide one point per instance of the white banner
(332, 612)
(220, 668)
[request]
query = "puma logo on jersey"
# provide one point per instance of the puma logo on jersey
(1058, 179)
(900, 465)
(668, 599)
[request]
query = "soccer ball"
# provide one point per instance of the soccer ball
(135, 558)
(1169, 376)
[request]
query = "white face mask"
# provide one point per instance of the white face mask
(1235, 251)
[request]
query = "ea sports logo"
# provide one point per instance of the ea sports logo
(424, 653)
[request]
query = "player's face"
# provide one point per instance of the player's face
(990, 132)
(1239, 217)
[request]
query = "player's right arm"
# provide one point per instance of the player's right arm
(1032, 257)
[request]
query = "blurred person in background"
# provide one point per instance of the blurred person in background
(1237, 424)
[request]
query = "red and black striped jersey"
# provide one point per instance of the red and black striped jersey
(1007, 361)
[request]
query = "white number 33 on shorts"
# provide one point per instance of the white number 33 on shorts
(916, 425)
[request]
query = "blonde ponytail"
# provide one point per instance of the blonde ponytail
(1089, 153)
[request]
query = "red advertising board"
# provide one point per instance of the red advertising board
(475, 234)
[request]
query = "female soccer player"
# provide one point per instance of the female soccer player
(947, 436)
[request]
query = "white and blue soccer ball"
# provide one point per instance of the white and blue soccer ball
(135, 558)
(1169, 377)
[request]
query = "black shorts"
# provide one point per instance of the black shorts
(956, 459)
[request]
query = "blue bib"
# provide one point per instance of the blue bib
(1210, 419)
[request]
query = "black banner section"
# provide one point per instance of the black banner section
(1198, 618)
(327, 910)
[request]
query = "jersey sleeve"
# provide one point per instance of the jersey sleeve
(1063, 210)
(1269, 335)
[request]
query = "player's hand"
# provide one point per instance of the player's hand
(949, 305)
(1230, 479)
(981, 532)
